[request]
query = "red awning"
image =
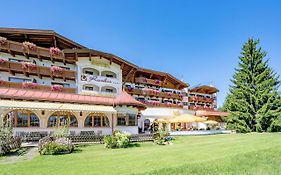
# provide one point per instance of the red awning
(35, 95)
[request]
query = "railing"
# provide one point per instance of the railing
(148, 81)
(14, 67)
(39, 52)
(36, 87)
(205, 108)
(200, 99)
(154, 93)
(159, 104)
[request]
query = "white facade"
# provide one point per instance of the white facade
(98, 77)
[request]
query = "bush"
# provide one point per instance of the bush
(117, 140)
(57, 146)
(59, 143)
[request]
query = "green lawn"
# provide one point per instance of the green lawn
(219, 154)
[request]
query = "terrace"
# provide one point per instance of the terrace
(40, 71)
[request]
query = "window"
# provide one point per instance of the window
(88, 88)
(89, 72)
(109, 90)
(14, 60)
(62, 84)
(109, 75)
(96, 120)
(121, 120)
(18, 80)
(132, 120)
(22, 118)
(62, 119)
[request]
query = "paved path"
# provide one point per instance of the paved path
(30, 153)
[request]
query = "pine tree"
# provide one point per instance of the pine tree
(253, 101)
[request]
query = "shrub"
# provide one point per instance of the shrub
(59, 143)
(117, 140)
(57, 146)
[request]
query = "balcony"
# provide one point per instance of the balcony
(153, 93)
(143, 80)
(204, 108)
(152, 103)
(37, 87)
(13, 47)
(40, 71)
(200, 99)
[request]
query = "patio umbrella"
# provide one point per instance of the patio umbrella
(211, 122)
(186, 118)
(161, 120)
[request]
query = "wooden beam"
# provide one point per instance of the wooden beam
(110, 61)
(151, 75)
(122, 66)
(90, 57)
(55, 40)
(131, 73)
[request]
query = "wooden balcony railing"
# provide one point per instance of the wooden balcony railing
(159, 104)
(205, 108)
(154, 93)
(143, 80)
(13, 47)
(200, 99)
(40, 71)
(37, 87)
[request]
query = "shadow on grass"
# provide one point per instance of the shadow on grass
(18, 152)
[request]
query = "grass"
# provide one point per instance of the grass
(219, 154)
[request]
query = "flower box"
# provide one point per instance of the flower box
(2, 61)
(3, 41)
(29, 45)
(157, 82)
(57, 88)
(28, 65)
(55, 51)
(29, 85)
(56, 69)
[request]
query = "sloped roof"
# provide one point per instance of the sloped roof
(125, 99)
(35, 95)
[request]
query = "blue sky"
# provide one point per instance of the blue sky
(198, 41)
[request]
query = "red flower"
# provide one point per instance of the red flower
(29, 85)
(55, 51)
(56, 87)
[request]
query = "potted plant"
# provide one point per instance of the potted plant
(3, 41)
(57, 87)
(29, 46)
(2, 61)
(56, 69)
(29, 85)
(55, 51)
(28, 65)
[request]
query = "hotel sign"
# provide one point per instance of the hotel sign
(102, 79)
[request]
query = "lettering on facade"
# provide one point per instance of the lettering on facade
(94, 78)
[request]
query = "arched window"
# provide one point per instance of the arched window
(90, 87)
(109, 74)
(62, 119)
(96, 120)
(90, 71)
(22, 118)
(108, 89)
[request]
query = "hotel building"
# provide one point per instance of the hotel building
(47, 80)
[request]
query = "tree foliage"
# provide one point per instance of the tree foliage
(253, 100)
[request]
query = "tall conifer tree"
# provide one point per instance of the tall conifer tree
(253, 100)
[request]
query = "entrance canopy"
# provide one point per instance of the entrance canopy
(32, 105)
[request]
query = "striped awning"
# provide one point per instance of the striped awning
(32, 105)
